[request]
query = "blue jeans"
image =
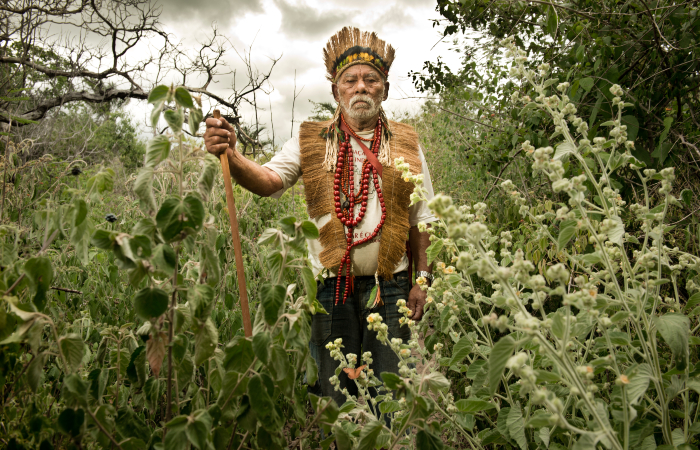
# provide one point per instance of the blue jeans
(349, 322)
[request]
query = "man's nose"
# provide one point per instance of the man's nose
(361, 87)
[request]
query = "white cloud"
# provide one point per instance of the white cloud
(297, 30)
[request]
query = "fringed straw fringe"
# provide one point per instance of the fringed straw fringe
(332, 145)
(385, 147)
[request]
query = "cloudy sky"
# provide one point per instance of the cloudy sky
(295, 31)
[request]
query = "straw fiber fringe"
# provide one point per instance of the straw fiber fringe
(318, 181)
(332, 145)
(351, 37)
(319, 195)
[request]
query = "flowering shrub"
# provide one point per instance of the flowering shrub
(589, 345)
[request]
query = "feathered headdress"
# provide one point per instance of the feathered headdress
(351, 46)
(346, 48)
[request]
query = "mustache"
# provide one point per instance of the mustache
(362, 98)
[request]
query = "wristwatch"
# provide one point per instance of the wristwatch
(427, 275)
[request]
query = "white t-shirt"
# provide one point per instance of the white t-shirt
(287, 164)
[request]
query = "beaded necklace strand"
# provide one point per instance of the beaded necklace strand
(345, 182)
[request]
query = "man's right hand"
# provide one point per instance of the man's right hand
(220, 137)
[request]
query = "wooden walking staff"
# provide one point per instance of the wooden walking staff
(240, 270)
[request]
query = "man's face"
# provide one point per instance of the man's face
(360, 90)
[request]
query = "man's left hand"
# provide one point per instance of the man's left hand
(416, 302)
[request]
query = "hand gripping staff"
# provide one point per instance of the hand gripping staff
(240, 270)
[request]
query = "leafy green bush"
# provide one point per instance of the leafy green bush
(577, 329)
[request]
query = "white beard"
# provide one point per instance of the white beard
(366, 112)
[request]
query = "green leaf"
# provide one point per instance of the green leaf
(72, 348)
(71, 421)
(369, 434)
(693, 301)
(310, 286)
(567, 230)
(434, 250)
(632, 126)
(668, 121)
(164, 259)
(262, 404)
(205, 340)
(617, 232)
(143, 188)
(436, 382)
(101, 182)
(129, 424)
(136, 371)
(586, 84)
(552, 21)
(75, 390)
(80, 231)
(309, 229)
(501, 352)
(178, 218)
(649, 443)
(279, 363)
(174, 119)
(261, 346)
(389, 406)
(460, 350)
(544, 436)
(157, 150)
(210, 169)
(675, 329)
(194, 119)
(425, 440)
(585, 442)
(176, 439)
(238, 354)
(183, 97)
(271, 300)
(638, 384)
(539, 419)
(472, 405)
(311, 371)
(372, 297)
(564, 149)
(158, 94)
(210, 270)
(35, 371)
(342, 438)
(391, 380)
(197, 433)
(40, 275)
(155, 114)
(201, 300)
(687, 197)
(516, 426)
(150, 303)
(591, 258)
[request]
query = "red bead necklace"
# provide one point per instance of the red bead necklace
(345, 182)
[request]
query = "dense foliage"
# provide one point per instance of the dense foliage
(564, 314)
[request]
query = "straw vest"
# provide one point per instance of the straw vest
(318, 186)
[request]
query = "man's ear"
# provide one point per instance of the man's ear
(386, 90)
(334, 89)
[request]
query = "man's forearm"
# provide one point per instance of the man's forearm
(252, 176)
(419, 242)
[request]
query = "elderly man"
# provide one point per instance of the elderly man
(357, 199)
